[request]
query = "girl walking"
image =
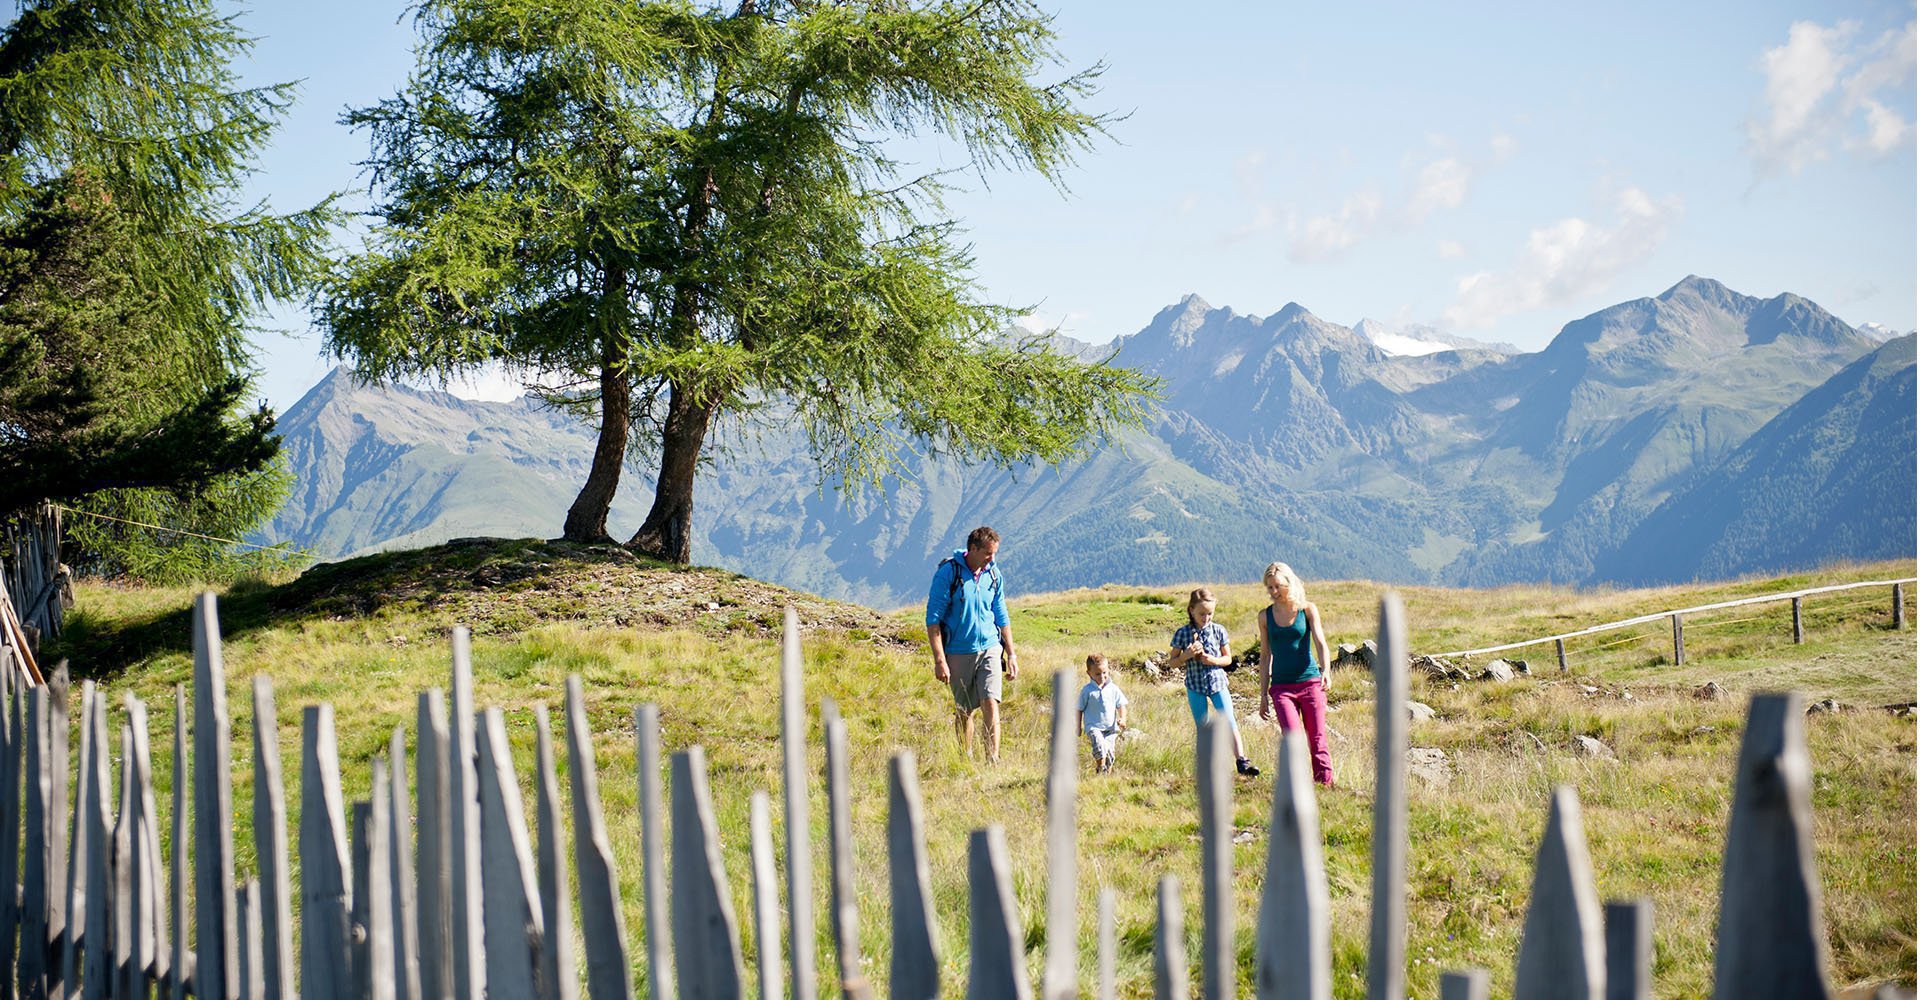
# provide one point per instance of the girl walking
(1201, 646)
(1293, 654)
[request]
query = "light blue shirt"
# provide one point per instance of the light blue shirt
(971, 607)
(1101, 705)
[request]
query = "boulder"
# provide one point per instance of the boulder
(1710, 691)
(1418, 712)
(1430, 764)
(1587, 746)
(1823, 706)
(1498, 670)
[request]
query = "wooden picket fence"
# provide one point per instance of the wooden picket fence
(478, 905)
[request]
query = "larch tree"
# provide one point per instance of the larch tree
(676, 213)
(125, 338)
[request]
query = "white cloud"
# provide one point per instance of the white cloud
(1442, 184)
(1325, 235)
(1451, 250)
(1826, 90)
(1565, 261)
(1503, 147)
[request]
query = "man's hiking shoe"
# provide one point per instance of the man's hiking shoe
(1245, 767)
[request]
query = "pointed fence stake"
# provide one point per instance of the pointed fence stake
(706, 938)
(1468, 984)
(997, 968)
(11, 815)
(1293, 954)
(1629, 932)
(603, 922)
(401, 882)
(148, 926)
(653, 866)
(1170, 944)
(121, 874)
(463, 812)
(557, 978)
(36, 874)
(1771, 939)
(842, 901)
(1061, 978)
(216, 925)
(793, 749)
(434, 855)
(179, 973)
(326, 902)
(270, 835)
(1109, 951)
(1562, 945)
(766, 896)
(510, 900)
(915, 965)
(253, 984)
(1213, 775)
(1387, 942)
(377, 910)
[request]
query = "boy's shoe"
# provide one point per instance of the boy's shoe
(1246, 768)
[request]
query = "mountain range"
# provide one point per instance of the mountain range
(1700, 432)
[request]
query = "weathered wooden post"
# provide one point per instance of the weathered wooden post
(216, 926)
(401, 880)
(1679, 644)
(1899, 608)
(1629, 932)
(253, 984)
(1467, 984)
(372, 908)
(463, 813)
(915, 972)
(766, 896)
(1293, 950)
(996, 967)
(1061, 978)
(793, 748)
(36, 869)
(90, 899)
(603, 923)
(326, 902)
(1562, 947)
(1799, 632)
(1387, 942)
(557, 976)
(434, 852)
(706, 938)
(1771, 939)
(178, 969)
(270, 838)
(653, 868)
(1109, 951)
(1213, 777)
(509, 891)
(1560, 651)
(1170, 944)
(12, 748)
(843, 904)
(148, 930)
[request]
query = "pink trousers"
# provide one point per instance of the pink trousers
(1304, 706)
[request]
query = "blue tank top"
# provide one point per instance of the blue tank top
(1292, 647)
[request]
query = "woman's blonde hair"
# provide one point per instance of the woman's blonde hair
(1200, 595)
(1289, 582)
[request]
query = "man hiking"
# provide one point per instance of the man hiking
(967, 627)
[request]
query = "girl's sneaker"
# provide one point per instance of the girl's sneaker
(1246, 768)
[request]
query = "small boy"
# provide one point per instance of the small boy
(1103, 712)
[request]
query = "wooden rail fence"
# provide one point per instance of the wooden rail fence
(479, 904)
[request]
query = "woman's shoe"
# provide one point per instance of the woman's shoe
(1245, 767)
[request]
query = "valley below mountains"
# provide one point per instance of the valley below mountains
(1700, 433)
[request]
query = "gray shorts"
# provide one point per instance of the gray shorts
(974, 677)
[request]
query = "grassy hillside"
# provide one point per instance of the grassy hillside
(369, 634)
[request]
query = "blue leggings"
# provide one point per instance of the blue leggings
(1197, 704)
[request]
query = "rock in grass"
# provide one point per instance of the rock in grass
(1710, 691)
(1823, 706)
(1498, 670)
(1418, 712)
(1587, 746)
(1430, 764)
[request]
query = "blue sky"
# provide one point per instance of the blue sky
(1493, 169)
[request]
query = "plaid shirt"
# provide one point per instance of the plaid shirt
(1203, 678)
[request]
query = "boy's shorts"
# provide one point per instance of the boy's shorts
(1102, 741)
(974, 677)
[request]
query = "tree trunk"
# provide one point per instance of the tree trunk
(587, 518)
(668, 531)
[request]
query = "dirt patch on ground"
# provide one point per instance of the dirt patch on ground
(501, 586)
